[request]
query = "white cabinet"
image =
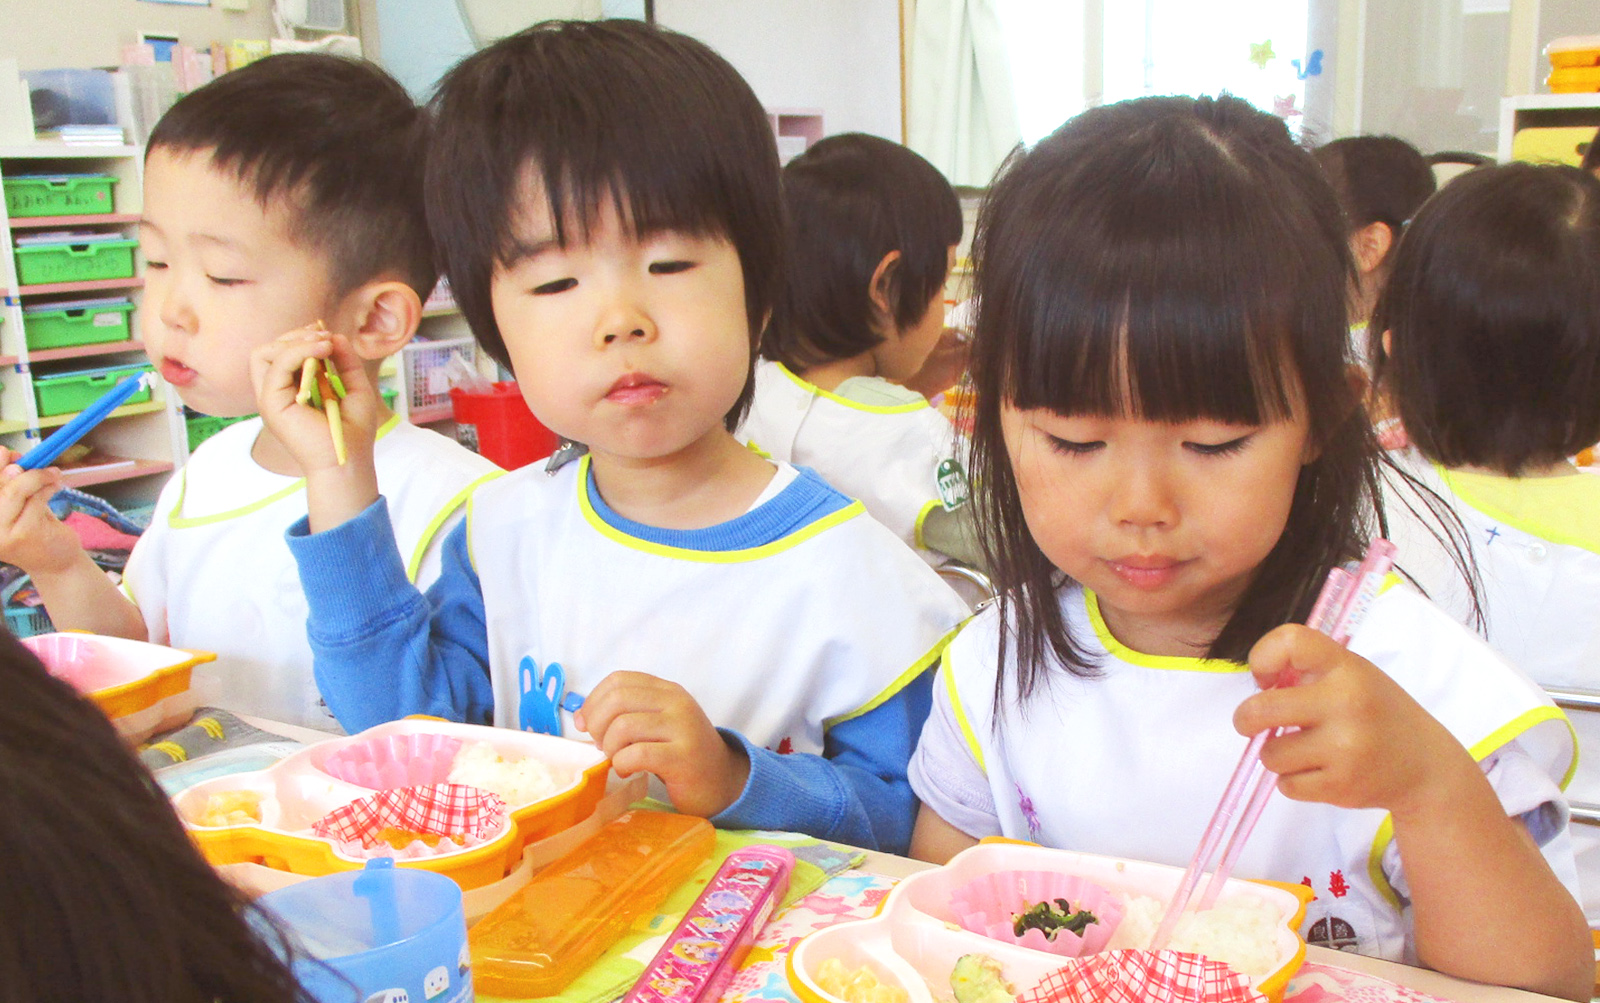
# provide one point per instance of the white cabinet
(1564, 120)
(150, 436)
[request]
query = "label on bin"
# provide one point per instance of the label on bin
(106, 319)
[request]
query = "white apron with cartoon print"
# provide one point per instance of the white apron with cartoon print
(219, 576)
(774, 642)
(900, 460)
(1132, 763)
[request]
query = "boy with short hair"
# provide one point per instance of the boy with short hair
(605, 196)
(862, 310)
(280, 195)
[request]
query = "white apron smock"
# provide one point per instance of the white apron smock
(1541, 596)
(777, 642)
(1132, 763)
(899, 460)
(223, 580)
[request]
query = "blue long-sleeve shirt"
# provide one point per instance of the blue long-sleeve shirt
(384, 650)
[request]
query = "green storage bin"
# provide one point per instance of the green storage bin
(203, 426)
(38, 264)
(58, 194)
(75, 323)
(64, 393)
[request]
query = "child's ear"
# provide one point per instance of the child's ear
(881, 289)
(1371, 245)
(386, 315)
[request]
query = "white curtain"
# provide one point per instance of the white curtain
(960, 110)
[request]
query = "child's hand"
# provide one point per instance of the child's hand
(276, 368)
(31, 537)
(647, 724)
(1363, 741)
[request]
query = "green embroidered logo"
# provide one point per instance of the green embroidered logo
(953, 490)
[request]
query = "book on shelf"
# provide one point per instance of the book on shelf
(84, 135)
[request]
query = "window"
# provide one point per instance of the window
(1255, 49)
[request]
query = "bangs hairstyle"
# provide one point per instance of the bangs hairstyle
(852, 199)
(108, 897)
(339, 141)
(650, 119)
(1171, 259)
(1379, 179)
(1494, 306)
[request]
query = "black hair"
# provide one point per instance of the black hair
(1172, 258)
(852, 199)
(1494, 305)
(1591, 156)
(648, 118)
(1379, 179)
(338, 140)
(104, 894)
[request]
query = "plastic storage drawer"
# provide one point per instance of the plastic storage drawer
(87, 261)
(58, 194)
(203, 426)
(80, 322)
(66, 392)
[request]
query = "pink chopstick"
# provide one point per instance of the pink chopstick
(1340, 606)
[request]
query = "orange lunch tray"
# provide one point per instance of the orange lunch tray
(303, 788)
(914, 941)
(141, 687)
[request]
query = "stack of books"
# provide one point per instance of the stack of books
(86, 135)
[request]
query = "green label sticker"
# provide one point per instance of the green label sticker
(953, 490)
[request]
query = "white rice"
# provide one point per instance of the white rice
(1240, 932)
(518, 781)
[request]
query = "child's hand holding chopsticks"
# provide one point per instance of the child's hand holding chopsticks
(1362, 742)
(317, 401)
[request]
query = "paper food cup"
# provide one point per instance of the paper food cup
(389, 761)
(989, 904)
(1143, 977)
(448, 811)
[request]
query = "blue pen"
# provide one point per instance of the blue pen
(61, 439)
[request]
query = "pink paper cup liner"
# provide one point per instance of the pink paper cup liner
(395, 761)
(988, 906)
(443, 810)
(1143, 977)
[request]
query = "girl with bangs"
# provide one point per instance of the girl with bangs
(1171, 455)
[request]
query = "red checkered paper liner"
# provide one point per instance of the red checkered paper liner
(1143, 977)
(435, 809)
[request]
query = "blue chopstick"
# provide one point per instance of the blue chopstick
(61, 439)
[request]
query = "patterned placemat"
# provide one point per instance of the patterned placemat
(855, 894)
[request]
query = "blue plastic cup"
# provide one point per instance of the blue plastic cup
(383, 934)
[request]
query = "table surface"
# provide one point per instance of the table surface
(889, 865)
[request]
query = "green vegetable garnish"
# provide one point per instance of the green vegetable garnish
(1050, 919)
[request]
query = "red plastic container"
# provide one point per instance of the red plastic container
(499, 426)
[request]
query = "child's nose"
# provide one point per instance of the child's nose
(175, 309)
(624, 321)
(1143, 498)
